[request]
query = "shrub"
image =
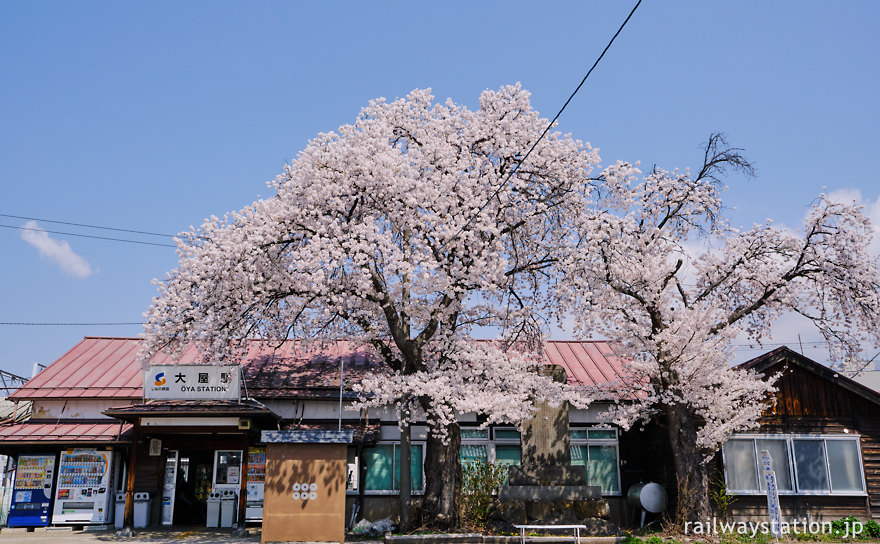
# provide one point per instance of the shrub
(872, 529)
(718, 494)
(480, 481)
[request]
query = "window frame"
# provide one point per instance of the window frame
(492, 441)
(506, 440)
(395, 444)
(789, 439)
(489, 441)
(587, 442)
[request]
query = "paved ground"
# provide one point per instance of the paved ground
(196, 535)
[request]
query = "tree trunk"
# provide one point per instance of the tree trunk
(442, 480)
(692, 475)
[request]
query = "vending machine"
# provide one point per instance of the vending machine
(256, 481)
(32, 491)
(84, 487)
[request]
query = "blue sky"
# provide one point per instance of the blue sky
(153, 115)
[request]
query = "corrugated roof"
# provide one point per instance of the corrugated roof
(99, 367)
(94, 368)
(587, 363)
(69, 432)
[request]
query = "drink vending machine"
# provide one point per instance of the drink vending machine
(84, 487)
(32, 491)
(256, 482)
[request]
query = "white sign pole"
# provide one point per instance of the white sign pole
(773, 510)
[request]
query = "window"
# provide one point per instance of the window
(383, 467)
(474, 434)
(594, 448)
(227, 467)
(473, 452)
(596, 451)
(507, 435)
(504, 450)
(804, 464)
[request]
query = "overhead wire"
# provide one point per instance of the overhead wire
(88, 236)
(546, 130)
(60, 324)
(148, 233)
(469, 221)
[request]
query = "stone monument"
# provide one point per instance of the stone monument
(546, 489)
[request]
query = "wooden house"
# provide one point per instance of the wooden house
(823, 436)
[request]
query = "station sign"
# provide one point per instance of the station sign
(192, 382)
(774, 512)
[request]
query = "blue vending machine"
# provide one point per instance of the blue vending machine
(32, 491)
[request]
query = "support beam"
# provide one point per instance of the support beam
(242, 493)
(129, 485)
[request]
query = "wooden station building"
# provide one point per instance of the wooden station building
(184, 431)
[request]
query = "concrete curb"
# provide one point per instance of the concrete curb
(476, 538)
(460, 538)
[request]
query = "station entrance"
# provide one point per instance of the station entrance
(186, 487)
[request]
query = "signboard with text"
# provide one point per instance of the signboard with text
(773, 511)
(192, 382)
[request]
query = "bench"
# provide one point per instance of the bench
(576, 528)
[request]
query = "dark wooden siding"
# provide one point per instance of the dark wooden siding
(870, 429)
(809, 403)
(804, 394)
(817, 508)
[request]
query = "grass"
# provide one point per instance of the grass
(840, 531)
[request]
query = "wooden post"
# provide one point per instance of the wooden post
(405, 472)
(129, 484)
(242, 494)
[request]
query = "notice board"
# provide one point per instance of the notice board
(304, 497)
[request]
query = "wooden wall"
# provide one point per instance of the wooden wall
(809, 403)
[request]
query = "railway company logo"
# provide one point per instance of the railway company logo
(160, 379)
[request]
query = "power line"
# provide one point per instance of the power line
(546, 130)
(89, 236)
(87, 226)
(26, 324)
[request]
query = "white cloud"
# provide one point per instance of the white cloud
(872, 210)
(56, 250)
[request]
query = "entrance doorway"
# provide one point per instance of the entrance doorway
(191, 486)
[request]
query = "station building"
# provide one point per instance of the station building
(94, 424)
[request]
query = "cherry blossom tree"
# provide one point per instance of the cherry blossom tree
(406, 231)
(656, 268)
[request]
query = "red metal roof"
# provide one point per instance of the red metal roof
(78, 432)
(94, 368)
(587, 363)
(99, 367)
